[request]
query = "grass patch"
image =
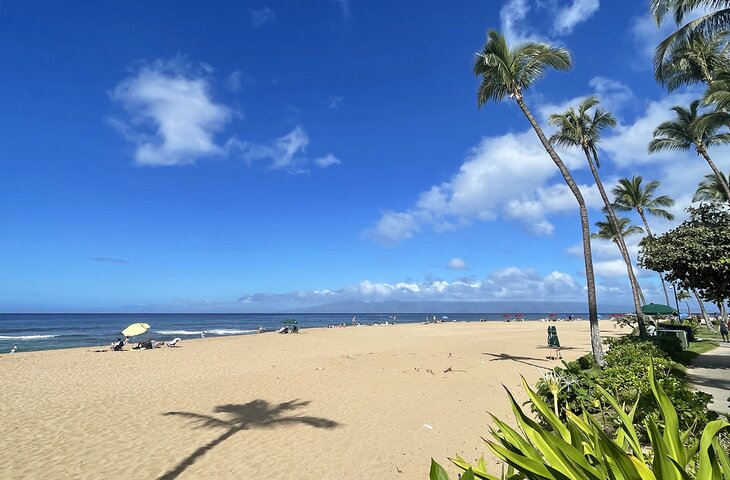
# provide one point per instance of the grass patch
(684, 358)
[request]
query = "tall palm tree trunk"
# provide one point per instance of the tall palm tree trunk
(619, 240)
(720, 176)
(596, 346)
(650, 235)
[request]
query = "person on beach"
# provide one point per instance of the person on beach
(202, 334)
(14, 349)
(117, 346)
(553, 343)
(651, 329)
(723, 330)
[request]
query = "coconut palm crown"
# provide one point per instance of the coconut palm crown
(699, 59)
(711, 190)
(507, 72)
(632, 195)
(690, 129)
(577, 127)
(716, 20)
(718, 93)
(607, 231)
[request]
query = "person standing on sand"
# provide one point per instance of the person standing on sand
(202, 334)
(14, 349)
(723, 330)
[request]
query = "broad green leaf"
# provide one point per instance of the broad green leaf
(468, 474)
(663, 468)
(478, 471)
(437, 472)
(627, 424)
(711, 457)
(546, 412)
(671, 422)
(529, 467)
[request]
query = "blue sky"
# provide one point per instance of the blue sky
(253, 156)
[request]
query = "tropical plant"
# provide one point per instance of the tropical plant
(631, 195)
(716, 20)
(684, 296)
(692, 130)
(711, 189)
(578, 128)
(509, 72)
(607, 230)
(579, 449)
(696, 253)
(698, 59)
(718, 92)
(625, 377)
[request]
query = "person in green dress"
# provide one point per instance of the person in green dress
(553, 343)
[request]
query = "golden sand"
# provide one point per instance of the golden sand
(343, 403)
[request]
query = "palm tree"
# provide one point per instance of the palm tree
(692, 130)
(578, 128)
(684, 296)
(718, 92)
(711, 190)
(509, 72)
(631, 195)
(699, 59)
(717, 20)
(615, 231)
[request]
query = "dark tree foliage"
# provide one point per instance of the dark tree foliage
(696, 253)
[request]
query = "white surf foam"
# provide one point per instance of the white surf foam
(26, 337)
(179, 332)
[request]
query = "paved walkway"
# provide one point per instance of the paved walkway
(710, 373)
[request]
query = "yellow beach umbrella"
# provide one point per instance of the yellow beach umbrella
(135, 329)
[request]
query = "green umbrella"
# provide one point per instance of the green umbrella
(658, 309)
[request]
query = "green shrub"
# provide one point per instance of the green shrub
(625, 376)
(579, 448)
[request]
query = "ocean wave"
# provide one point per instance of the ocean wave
(213, 331)
(178, 332)
(26, 337)
(228, 331)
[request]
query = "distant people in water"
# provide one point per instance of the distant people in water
(14, 349)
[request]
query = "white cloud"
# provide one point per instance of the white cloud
(262, 16)
(568, 17)
(512, 283)
(344, 6)
(285, 153)
(457, 264)
(327, 161)
(515, 18)
(502, 175)
(236, 79)
(173, 118)
(334, 102)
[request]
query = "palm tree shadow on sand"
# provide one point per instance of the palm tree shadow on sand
(254, 414)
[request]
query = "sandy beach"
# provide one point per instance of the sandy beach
(355, 402)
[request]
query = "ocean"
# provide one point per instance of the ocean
(32, 332)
